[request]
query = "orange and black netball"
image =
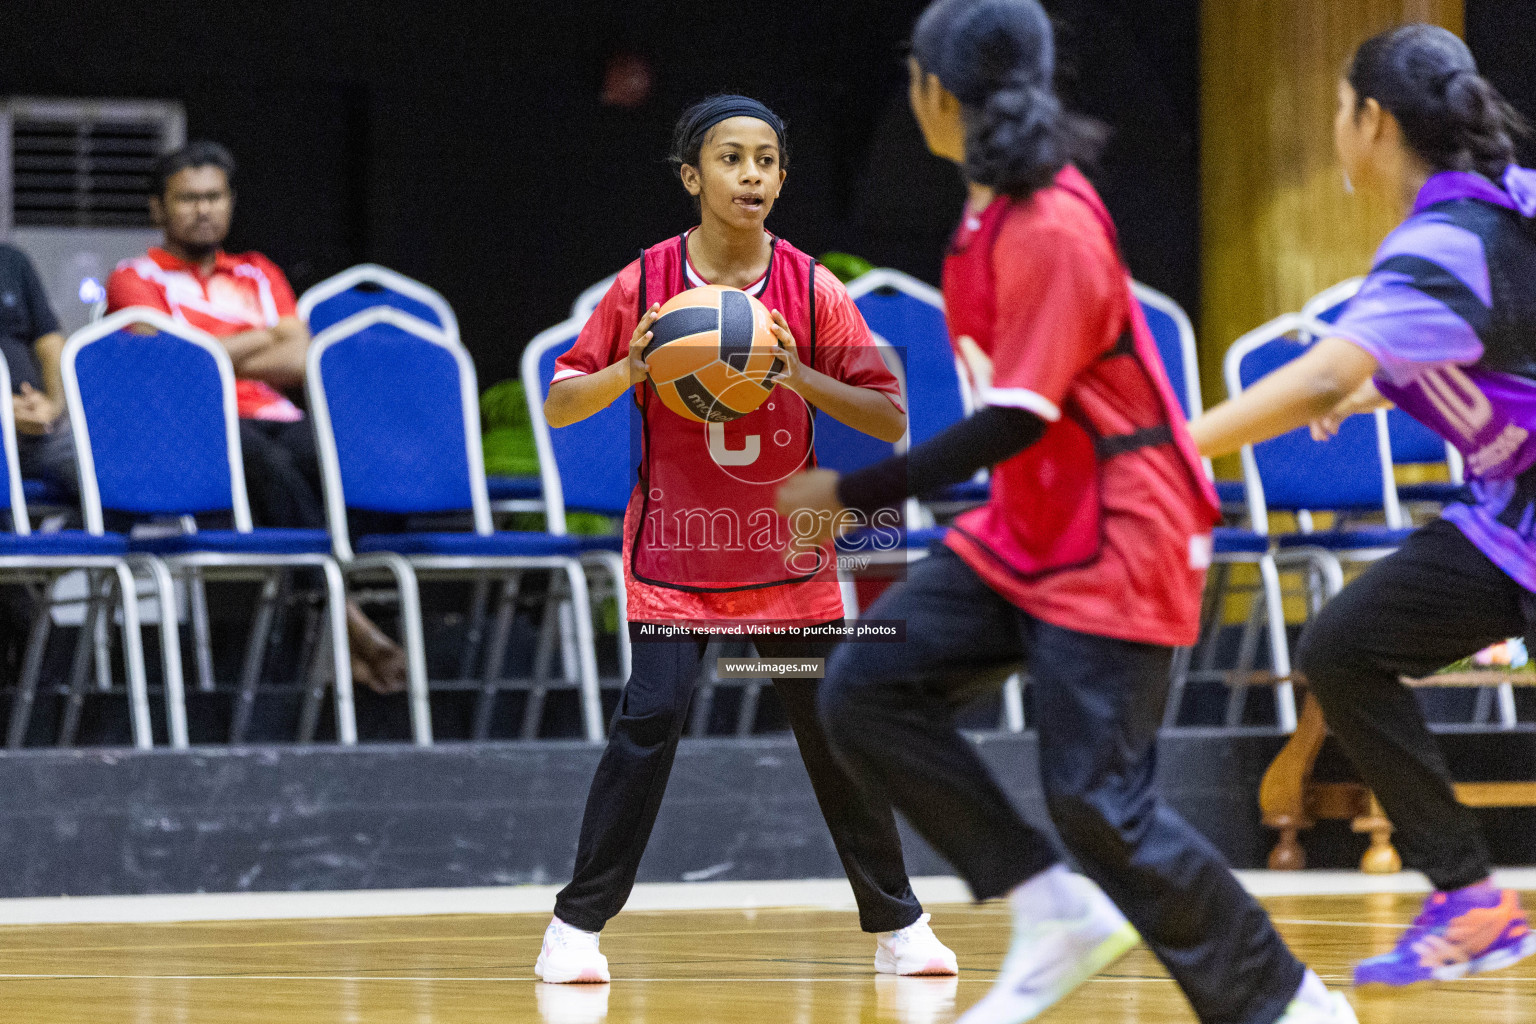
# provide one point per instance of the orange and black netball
(713, 357)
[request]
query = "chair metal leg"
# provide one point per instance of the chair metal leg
(1178, 680)
(704, 690)
(1332, 571)
(102, 643)
(197, 600)
(84, 649)
(568, 656)
(1013, 703)
(313, 623)
(31, 669)
(746, 715)
(613, 563)
(474, 636)
(416, 654)
(1247, 652)
(586, 651)
(1508, 719)
(703, 707)
(533, 712)
(849, 592)
(133, 659)
(1489, 697)
(170, 649)
(621, 594)
(1482, 705)
(341, 657)
(543, 655)
(281, 611)
(1330, 580)
(569, 668)
(1315, 587)
(314, 653)
(1221, 581)
(1279, 646)
(415, 640)
(255, 655)
(496, 651)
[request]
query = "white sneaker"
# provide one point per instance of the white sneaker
(1314, 1004)
(570, 956)
(913, 950)
(1065, 930)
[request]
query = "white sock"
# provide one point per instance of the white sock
(1052, 894)
(1313, 992)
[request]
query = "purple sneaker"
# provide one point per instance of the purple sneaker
(1463, 932)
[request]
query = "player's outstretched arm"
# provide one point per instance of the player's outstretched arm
(1365, 399)
(1302, 391)
(575, 398)
(863, 409)
(995, 434)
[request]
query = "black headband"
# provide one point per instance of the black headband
(722, 108)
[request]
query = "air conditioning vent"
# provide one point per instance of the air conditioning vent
(81, 175)
(86, 163)
(74, 189)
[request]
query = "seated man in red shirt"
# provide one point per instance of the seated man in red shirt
(247, 303)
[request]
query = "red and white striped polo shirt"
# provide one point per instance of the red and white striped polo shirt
(243, 292)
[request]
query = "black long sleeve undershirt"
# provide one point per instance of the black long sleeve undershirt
(991, 436)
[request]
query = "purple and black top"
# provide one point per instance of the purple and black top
(1449, 313)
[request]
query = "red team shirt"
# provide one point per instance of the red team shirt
(844, 350)
(1059, 301)
(244, 292)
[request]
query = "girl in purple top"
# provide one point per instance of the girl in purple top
(1445, 328)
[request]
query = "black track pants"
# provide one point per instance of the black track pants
(1435, 600)
(632, 776)
(1098, 704)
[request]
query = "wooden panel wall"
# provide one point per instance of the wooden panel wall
(1277, 225)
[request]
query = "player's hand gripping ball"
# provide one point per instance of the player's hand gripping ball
(713, 356)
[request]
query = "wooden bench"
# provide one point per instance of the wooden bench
(1292, 802)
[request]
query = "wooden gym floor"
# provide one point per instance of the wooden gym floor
(677, 967)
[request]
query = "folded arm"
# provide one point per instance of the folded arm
(274, 354)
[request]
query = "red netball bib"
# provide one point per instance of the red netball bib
(707, 516)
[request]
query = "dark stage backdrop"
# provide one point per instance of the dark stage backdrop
(466, 145)
(1500, 33)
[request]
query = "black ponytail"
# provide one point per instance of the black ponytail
(1020, 138)
(998, 58)
(1452, 117)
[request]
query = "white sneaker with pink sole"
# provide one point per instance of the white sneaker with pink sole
(913, 950)
(570, 956)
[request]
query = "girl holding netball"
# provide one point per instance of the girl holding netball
(731, 157)
(1087, 563)
(1445, 327)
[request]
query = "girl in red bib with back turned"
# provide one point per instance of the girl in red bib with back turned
(703, 544)
(1086, 564)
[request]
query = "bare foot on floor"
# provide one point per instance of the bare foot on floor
(377, 661)
(362, 674)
